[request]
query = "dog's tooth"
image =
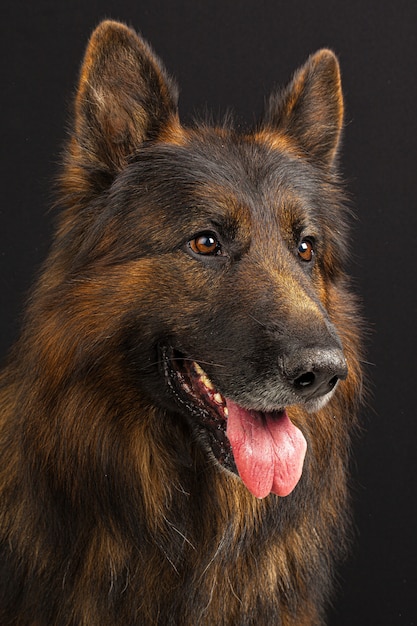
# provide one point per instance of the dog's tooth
(226, 411)
(206, 382)
(203, 376)
(218, 398)
(198, 369)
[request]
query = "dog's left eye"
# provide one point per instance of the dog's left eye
(306, 250)
(206, 244)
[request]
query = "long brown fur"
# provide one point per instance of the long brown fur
(112, 511)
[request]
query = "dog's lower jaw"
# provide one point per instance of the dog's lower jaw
(203, 407)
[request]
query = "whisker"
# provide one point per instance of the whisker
(201, 362)
(256, 320)
(171, 525)
(367, 363)
(189, 360)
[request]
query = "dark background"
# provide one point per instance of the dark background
(232, 53)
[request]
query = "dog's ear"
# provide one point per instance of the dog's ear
(310, 108)
(124, 98)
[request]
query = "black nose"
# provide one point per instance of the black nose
(313, 372)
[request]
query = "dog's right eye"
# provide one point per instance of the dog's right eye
(205, 244)
(306, 250)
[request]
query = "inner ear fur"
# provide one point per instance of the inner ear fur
(310, 108)
(124, 98)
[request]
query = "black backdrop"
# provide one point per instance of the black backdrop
(226, 52)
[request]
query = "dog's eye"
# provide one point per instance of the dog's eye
(306, 250)
(206, 244)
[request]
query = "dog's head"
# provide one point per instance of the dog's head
(212, 259)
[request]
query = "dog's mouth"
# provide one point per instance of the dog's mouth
(264, 448)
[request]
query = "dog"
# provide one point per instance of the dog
(176, 416)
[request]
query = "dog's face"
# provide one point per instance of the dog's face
(215, 252)
(236, 236)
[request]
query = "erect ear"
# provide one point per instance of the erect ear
(124, 98)
(310, 108)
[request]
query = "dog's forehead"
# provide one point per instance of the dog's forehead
(226, 170)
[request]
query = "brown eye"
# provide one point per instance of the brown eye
(205, 244)
(306, 250)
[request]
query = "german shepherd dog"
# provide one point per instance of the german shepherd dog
(176, 416)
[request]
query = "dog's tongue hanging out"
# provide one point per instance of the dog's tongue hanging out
(268, 449)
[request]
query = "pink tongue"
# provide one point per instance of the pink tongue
(268, 449)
